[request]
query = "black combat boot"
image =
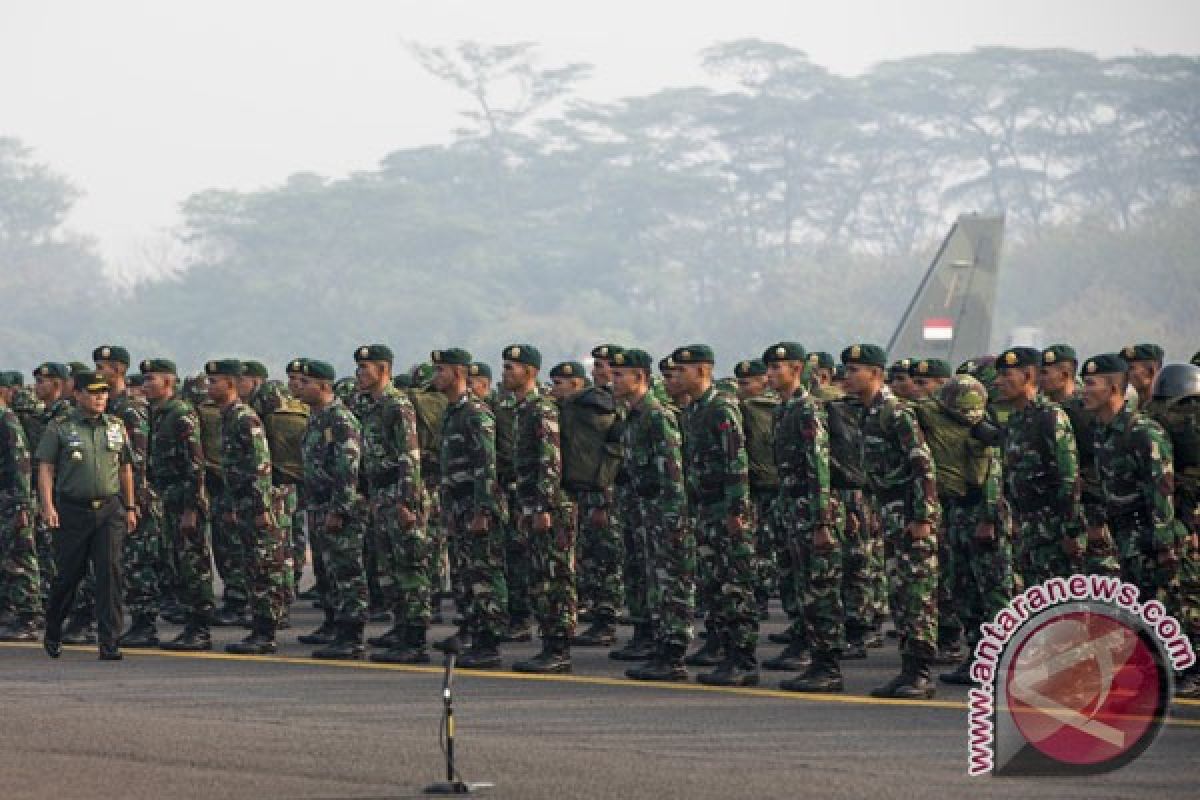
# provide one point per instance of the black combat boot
(393, 637)
(554, 658)
(348, 644)
(601, 633)
(109, 651)
(194, 638)
(794, 658)
(142, 633)
(79, 631)
(640, 647)
(949, 652)
(823, 675)
(483, 653)
(710, 654)
(519, 630)
(460, 639)
(667, 665)
(913, 682)
(230, 616)
(260, 642)
(1187, 684)
(409, 649)
(327, 633)
(21, 629)
(740, 668)
(961, 676)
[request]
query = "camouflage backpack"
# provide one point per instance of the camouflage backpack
(758, 422)
(591, 452)
(29, 411)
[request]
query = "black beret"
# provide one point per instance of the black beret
(455, 356)
(111, 352)
(693, 354)
(1142, 352)
(162, 365)
(821, 360)
(750, 369)
(1106, 364)
(229, 367)
(78, 366)
(900, 367)
(523, 354)
(784, 351)
(254, 369)
(296, 366)
(53, 369)
(89, 381)
(374, 352)
(666, 364)
(480, 370)
(135, 380)
(568, 369)
(605, 351)
(870, 355)
(1019, 357)
(321, 370)
(1058, 353)
(930, 368)
(633, 357)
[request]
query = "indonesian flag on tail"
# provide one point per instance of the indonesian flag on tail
(939, 329)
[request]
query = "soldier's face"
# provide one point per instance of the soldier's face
(6, 394)
(444, 377)
(246, 386)
(368, 375)
(602, 373)
(923, 387)
(155, 386)
(752, 386)
(690, 378)
(480, 386)
(1012, 382)
(109, 369)
(782, 375)
(565, 387)
(47, 389)
(901, 384)
(1053, 378)
(516, 375)
(1097, 392)
(221, 388)
(294, 379)
(1141, 375)
(860, 377)
(627, 382)
(92, 402)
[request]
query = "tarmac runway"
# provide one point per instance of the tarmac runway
(167, 725)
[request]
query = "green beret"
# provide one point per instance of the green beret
(1142, 352)
(296, 366)
(77, 367)
(254, 369)
(402, 381)
(1019, 357)
(666, 364)
(869, 355)
(229, 367)
(821, 360)
(693, 354)
(523, 354)
(321, 370)
(750, 369)
(1106, 364)
(455, 356)
(374, 352)
(111, 352)
(136, 379)
(605, 351)
(480, 370)
(53, 369)
(839, 372)
(900, 367)
(633, 357)
(162, 365)
(568, 369)
(1058, 353)
(88, 381)
(783, 351)
(930, 368)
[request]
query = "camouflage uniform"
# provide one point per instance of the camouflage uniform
(45, 537)
(229, 557)
(20, 592)
(537, 462)
(143, 553)
(469, 487)
(517, 554)
(601, 554)
(269, 397)
(1101, 557)
(717, 474)
(1041, 473)
(332, 448)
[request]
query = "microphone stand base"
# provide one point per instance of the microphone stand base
(457, 787)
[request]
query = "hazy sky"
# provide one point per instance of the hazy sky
(142, 103)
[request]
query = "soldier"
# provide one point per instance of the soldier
(1145, 361)
(656, 508)
(480, 380)
(391, 464)
(805, 510)
(143, 544)
(472, 507)
(899, 379)
(245, 507)
(900, 475)
(566, 379)
(85, 478)
(717, 470)
(503, 404)
(927, 376)
(1041, 473)
(175, 469)
(52, 385)
(332, 448)
(821, 368)
(757, 403)
(20, 591)
(543, 511)
(300, 546)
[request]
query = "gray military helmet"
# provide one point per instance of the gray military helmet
(1175, 381)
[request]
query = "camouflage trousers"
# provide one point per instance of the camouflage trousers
(342, 551)
(47, 569)
(914, 588)
(765, 569)
(20, 587)
(404, 555)
(1101, 557)
(601, 550)
(638, 562)
(479, 567)
(976, 579)
(859, 541)
(819, 577)
(666, 548)
(518, 564)
(283, 509)
(264, 553)
(144, 561)
(439, 543)
(786, 578)
(193, 559)
(726, 579)
(1039, 538)
(228, 554)
(552, 572)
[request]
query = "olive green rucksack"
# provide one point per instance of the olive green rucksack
(210, 435)
(504, 407)
(960, 460)
(591, 453)
(758, 425)
(430, 407)
(1180, 418)
(285, 436)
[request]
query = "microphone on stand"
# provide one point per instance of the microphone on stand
(454, 784)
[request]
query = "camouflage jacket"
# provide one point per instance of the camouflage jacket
(653, 461)
(175, 455)
(897, 459)
(504, 407)
(332, 449)
(1133, 460)
(1041, 464)
(16, 484)
(391, 456)
(245, 459)
(134, 413)
(537, 455)
(801, 444)
(716, 464)
(468, 458)
(268, 398)
(1083, 425)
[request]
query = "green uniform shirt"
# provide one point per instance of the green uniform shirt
(87, 454)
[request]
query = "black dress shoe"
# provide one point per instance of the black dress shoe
(110, 652)
(53, 647)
